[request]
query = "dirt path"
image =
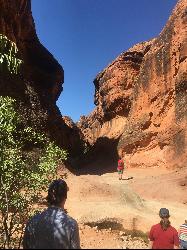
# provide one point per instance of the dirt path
(100, 204)
(129, 204)
(99, 197)
(118, 214)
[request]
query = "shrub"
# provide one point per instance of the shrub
(28, 162)
(9, 56)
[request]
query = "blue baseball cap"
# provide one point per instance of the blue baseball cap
(164, 213)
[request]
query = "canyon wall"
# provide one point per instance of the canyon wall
(38, 84)
(141, 100)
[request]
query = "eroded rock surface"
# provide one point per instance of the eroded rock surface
(39, 83)
(141, 99)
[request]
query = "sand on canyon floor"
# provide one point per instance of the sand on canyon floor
(119, 214)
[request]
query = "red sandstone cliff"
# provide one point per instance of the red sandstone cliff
(39, 84)
(141, 100)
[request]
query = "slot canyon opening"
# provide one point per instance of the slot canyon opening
(101, 158)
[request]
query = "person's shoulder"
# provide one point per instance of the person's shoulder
(64, 215)
(156, 226)
(120, 160)
(173, 229)
(71, 221)
(183, 225)
(32, 222)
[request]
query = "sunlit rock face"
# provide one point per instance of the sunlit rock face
(141, 99)
(38, 82)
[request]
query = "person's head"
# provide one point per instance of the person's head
(121, 155)
(164, 215)
(185, 221)
(57, 193)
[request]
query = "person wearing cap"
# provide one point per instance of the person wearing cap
(53, 228)
(163, 235)
(183, 235)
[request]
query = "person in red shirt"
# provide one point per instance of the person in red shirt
(163, 235)
(120, 168)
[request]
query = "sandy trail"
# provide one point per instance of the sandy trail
(133, 203)
(92, 197)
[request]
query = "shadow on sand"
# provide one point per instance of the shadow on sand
(126, 179)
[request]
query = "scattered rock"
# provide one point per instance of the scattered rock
(122, 233)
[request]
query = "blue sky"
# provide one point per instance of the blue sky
(86, 35)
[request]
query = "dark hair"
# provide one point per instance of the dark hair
(57, 192)
(165, 223)
(164, 215)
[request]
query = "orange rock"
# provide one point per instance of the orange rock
(141, 99)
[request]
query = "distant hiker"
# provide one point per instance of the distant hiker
(163, 235)
(120, 168)
(53, 228)
(183, 235)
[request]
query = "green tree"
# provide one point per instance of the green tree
(28, 162)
